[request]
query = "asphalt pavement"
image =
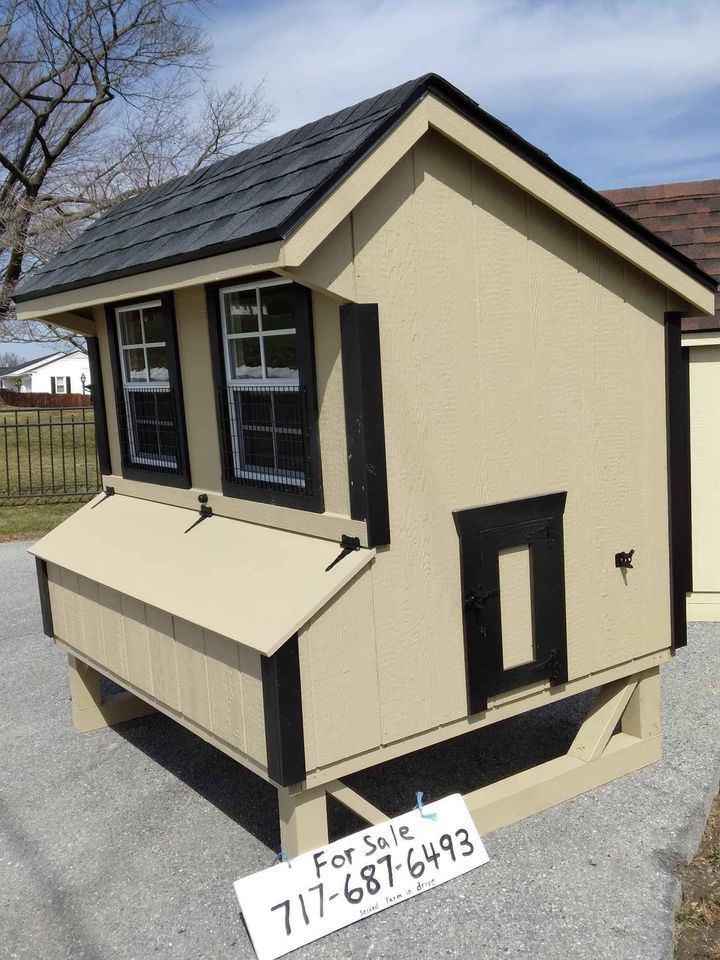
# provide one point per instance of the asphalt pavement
(123, 844)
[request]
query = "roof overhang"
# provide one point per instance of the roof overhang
(485, 139)
(256, 585)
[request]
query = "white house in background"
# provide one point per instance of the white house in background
(54, 373)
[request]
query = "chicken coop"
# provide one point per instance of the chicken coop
(392, 424)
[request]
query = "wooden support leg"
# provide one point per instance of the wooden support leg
(642, 714)
(303, 820)
(597, 756)
(89, 710)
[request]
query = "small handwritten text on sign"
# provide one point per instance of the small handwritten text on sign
(294, 903)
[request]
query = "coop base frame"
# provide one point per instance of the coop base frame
(597, 755)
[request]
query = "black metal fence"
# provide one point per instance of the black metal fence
(47, 454)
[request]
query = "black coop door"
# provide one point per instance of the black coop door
(484, 532)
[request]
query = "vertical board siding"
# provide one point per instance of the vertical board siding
(331, 422)
(339, 681)
(197, 379)
(705, 466)
(108, 386)
(207, 678)
(520, 358)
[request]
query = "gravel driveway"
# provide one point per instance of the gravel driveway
(124, 843)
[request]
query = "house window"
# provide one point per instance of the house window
(60, 385)
(149, 404)
(267, 393)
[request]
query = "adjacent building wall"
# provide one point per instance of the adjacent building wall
(704, 603)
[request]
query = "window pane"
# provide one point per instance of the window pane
(278, 311)
(258, 450)
(153, 325)
(157, 362)
(153, 424)
(291, 455)
(130, 329)
(241, 312)
(134, 361)
(255, 407)
(288, 412)
(281, 355)
(245, 358)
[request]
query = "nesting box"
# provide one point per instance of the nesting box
(382, 419)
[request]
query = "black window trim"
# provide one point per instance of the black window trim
(181, 476)
(313, 501)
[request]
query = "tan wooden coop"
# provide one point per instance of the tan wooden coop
(392, 427)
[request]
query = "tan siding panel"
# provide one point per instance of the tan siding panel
(90, 618)
(136, 643)
(198, 390)
(161, 647)
(328, 366)
(225, 688)
(341, 700)
(705, 466)
(113, 631)
(519, 358)
(516, 606)
(56, 600)
(253, 707)
(192, 671)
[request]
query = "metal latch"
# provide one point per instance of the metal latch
(349, 545)
(624, 560)
(205, 511)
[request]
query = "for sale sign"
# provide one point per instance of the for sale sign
(293, 903)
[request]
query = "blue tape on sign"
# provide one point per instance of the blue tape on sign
(419, 805)
(282, 857)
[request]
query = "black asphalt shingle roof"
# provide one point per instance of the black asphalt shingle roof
(265, 192)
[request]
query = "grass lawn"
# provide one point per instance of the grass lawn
(43, 452)
(33, 520)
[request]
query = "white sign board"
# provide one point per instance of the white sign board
(296, 902)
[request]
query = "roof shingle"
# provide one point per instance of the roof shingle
(686, 215)
(265, 192)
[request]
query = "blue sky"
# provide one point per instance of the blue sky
(620, 93)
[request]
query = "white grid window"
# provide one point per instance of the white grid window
(260, 348)
(151, 434)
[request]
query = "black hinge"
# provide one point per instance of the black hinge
(205, 511)
(478, 600)
(349, 545)
(108, 492)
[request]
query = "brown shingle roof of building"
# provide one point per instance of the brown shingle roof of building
(687, 215)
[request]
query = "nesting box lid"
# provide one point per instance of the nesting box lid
(254, 584)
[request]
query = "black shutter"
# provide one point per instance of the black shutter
(484, 532)
(364, 419)
(52, 385)
(677, 379)
(67, 385)
(98, 402)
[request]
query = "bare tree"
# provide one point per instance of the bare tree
(94, 108)
(9, 359)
